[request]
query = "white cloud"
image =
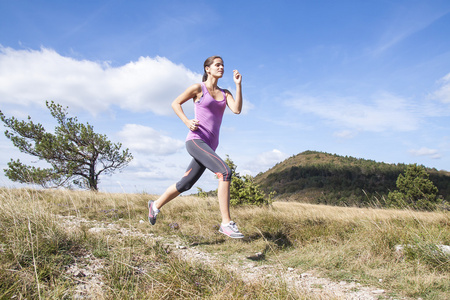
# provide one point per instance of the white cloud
(264, 161)
(147, 140)
(385, 112)
(443, 93)
(34, 76)
(345, 134)
(432, 153)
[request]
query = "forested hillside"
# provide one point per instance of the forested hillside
(318, 177)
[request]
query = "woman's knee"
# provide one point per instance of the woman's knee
(225, 175)
(183, 186)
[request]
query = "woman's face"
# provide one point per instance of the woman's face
(216, 69)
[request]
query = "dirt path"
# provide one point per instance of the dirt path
(90, 284)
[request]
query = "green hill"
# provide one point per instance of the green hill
(324, 178)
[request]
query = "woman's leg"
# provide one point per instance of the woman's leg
(193, 173)
(170, 194)
(208, 158)
(223, 194)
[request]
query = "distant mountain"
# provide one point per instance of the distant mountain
(318, 177)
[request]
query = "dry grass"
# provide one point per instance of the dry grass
(37, 248)
(350, 244)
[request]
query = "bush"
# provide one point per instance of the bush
(414, 190)
(244, 190)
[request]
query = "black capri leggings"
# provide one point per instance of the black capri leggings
(203, 157)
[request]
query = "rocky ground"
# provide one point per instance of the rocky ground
(90, 284)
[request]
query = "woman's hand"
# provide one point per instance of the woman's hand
(237, 77)
(192, 124)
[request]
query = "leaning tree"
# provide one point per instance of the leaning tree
(77, 155)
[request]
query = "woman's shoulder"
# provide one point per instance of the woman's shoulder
(226, 91)
(195, 91)
(195, 87)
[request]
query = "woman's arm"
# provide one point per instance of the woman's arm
(236, 104)
(190, 93)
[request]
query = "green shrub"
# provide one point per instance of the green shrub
(244, 190)
(414, 190)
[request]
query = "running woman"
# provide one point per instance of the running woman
(202, 140)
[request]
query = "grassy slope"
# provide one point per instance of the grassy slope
(351, 244)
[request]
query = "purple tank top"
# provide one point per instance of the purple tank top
(209, 113)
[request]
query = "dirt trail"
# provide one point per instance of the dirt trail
(90, 284)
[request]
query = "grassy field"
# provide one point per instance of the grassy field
(38, 247)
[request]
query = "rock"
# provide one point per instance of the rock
(257, 256)
(399, 248)
(378, 292)
(79, 273)
(444, 248)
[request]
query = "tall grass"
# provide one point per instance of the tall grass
(351, 244)
(38, 247)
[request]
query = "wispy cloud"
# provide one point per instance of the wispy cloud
(443, 93)
(345, 134)
(404, 23)
(424, 151)
(33, 76)
(385, 112)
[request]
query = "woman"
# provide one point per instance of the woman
(202, 140)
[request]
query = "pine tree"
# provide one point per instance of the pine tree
(414, 190)
(77, 155)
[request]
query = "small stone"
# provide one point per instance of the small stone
(290, 269)
(444, 248)
(377, 292)
(79, 273)
(399, 248)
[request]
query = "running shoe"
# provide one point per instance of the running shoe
(231, 230)
(152, 213)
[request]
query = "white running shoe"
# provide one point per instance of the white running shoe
(231, 230)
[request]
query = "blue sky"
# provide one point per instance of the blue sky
(368, 79)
